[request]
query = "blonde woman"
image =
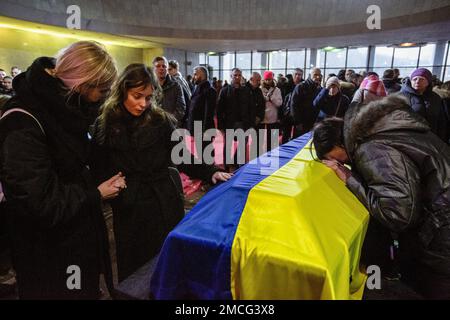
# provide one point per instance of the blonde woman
(57, 230)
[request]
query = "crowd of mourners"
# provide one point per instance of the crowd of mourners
(76, 132)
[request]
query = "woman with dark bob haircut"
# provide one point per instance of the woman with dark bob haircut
(401, 173)
(133, 135)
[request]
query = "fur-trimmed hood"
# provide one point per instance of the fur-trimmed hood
(388, 114)
(443, 93)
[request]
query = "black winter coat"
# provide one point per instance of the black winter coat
(331, 106)
(391, 86)
(53, 205)
(203, 106)
(173, 99)
(233, 108)
(302, 109)
(257, 105)
(403, 178)
(151, 206)
(430, 106)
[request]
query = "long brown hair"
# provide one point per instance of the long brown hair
(134, 76)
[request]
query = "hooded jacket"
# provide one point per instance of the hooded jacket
(445, 96)
(402, 177)
(53, 206)
(430, 106)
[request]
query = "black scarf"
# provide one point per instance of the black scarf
(65, 117)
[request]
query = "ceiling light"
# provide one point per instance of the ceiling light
(407, 44)
(63, 33)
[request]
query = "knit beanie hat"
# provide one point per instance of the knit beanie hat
(268, 75)
(374, 85)
(331, 81)
(422, 72)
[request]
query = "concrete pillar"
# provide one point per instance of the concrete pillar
(439, 58)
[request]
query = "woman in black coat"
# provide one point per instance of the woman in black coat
(133, 136)
(401, 173)
(418, 90)
(59, 243)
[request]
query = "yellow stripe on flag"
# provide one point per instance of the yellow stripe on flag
(299, 236)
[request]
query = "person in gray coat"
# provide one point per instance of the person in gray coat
(172, 99)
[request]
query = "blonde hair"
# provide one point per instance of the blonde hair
(85, 64)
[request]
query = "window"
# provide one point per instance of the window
(246, 73)
(336, 59)
(320, 59)
(259, 60)
(406, 57)
(357, 58)
(243, 60)
(427, 55)
(405, 72)
(446, 68)
(202, 58)
(296, 59)
(228, 61)
(216, 73)
(213, 61)
(226, 75)
(277, 60)
(383, 57)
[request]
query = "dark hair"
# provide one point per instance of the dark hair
(372, 73)
(174, 64)
(341, 75)
(136, 75)
(328, 134)
(388, 74)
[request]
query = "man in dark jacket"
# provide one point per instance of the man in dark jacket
(389, 83)
(302, 103)
(203, 103)
(400, 172)
(286, 120)
(257, 102)
(233, 108)
(421, 98)
(172, 99)
(174, 71)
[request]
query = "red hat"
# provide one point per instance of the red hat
(268, 75)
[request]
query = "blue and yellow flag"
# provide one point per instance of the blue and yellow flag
(289, 231)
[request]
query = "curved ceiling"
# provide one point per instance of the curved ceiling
(201, 25)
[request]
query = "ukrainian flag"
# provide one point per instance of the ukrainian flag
(285, 231)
